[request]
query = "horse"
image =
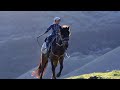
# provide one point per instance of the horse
(56, 54)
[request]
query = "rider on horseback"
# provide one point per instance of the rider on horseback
(61, 42)
(55, 27)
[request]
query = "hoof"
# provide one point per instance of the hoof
(53, 77)
(58, 75)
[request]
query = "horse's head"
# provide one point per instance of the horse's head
(64, 35)
(65, 32)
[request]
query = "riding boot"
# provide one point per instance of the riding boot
(47, 52)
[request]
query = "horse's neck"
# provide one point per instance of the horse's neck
(57, 49)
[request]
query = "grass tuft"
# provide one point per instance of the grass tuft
(115, 74)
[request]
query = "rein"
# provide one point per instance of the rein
(55, 54)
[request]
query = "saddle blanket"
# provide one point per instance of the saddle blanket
(44, 48)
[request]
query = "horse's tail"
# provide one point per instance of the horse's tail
(41, 70)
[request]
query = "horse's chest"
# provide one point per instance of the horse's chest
(59, 51)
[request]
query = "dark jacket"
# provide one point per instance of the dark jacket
(55, 28)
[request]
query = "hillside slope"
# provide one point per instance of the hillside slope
(70, 64)
(107, 62)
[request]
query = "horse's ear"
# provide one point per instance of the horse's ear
(69, 27)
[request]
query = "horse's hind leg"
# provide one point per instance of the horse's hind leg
(61, 67)
(43, 69)
(44, 62)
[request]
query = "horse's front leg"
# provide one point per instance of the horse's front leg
(61, 67)
(53, 70)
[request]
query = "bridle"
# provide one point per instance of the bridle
(62, 39)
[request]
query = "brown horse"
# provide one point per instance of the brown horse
(56, 54)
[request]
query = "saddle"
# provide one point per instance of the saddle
(49, 46)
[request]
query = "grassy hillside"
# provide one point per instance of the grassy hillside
(99, 75)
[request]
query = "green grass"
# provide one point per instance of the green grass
(99, 75)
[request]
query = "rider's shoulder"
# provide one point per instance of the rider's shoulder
(60, 25)
(51, 25)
